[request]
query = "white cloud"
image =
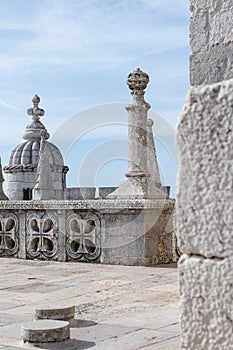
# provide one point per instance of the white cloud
(5, 104)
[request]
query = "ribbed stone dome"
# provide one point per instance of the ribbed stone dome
(27, 155)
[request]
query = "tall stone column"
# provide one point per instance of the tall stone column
(135, 184)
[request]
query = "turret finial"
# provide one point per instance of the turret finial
(137, 82)
(33, 130)
(35, 111)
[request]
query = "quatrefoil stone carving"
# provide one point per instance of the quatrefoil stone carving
(42, 236)
(83, 237)
(9, 242)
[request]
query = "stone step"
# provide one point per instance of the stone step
(45, 331)
(52, 312)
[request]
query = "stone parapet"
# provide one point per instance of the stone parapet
(127, 232)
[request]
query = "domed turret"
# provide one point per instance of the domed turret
(22, 168)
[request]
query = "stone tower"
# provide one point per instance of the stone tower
(22, 168)
(205, 186)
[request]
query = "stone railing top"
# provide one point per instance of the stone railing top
(88, 204)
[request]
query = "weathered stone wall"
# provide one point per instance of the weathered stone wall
(204, 218)
(207, 310)
(102, 231)
(205, 182)
(211, 39)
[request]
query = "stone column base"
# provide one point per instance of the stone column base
(133, 187)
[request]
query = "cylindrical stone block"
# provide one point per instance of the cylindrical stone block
(45, 331)
(137, 143)
(54, 313)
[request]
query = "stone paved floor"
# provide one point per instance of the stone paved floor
(117, 307)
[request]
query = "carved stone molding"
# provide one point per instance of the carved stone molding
(89, 204)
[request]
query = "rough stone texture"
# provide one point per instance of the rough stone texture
(45, 331)
(206, 303)
(211, 67)
(204, 196)
(211, 39)
(53, 312)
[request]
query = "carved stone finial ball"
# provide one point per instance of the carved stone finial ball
(137, 81)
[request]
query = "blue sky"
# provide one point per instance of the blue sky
(76, 56)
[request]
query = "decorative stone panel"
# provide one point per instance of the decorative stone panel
(83, 237)
(9, 235)
(42, 236)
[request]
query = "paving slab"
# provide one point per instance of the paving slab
(171, 344)
(117, 307)
(135, 340)
(100, 332)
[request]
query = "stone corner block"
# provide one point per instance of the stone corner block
(206, 303)
(204, 196)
